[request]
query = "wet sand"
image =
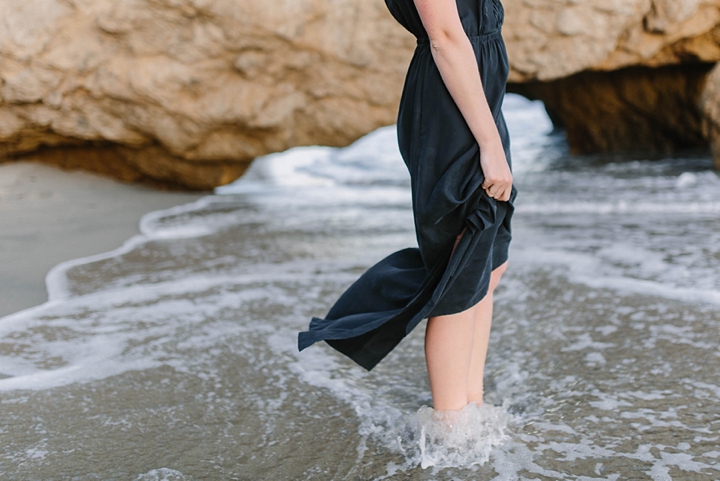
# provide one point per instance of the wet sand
(48, 216)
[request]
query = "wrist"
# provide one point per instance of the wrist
(489, 142)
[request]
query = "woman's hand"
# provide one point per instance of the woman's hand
(498, 178)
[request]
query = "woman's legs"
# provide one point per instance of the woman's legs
(448, 351)
(483, 322)
(455, 350)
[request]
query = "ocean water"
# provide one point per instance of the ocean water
(174, 357)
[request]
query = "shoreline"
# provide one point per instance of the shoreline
(49, 216)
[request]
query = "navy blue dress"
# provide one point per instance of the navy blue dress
(394, 295)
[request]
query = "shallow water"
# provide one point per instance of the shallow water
(175, 356)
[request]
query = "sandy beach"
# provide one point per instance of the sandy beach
(48, 216)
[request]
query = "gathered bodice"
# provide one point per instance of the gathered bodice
(479, 17)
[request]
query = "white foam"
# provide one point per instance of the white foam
(686, 179)
(455, 439)
(372, 160)
(590, 270)
(282, 169)
(162, 474)
(56, 280)
(105, 325)
(619, 207)
(423, 438)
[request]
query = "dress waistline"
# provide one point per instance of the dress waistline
(486, 36)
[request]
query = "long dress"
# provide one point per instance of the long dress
(443, 157)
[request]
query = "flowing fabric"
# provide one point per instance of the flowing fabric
(443, 158)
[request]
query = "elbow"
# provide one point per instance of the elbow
(442, 40)
(438, 43)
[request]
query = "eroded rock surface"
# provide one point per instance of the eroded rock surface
(187, 92)
(710, 107)
(637, 108)
(552, 39)
(618, 74)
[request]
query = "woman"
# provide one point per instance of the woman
(455, 143)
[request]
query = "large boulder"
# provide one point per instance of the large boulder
(553, 39)
(618, 74)
(186, 93)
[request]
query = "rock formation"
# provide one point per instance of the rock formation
(185, 93)
(710, 108)
(618, 74)
(636, 108)
(553, 39)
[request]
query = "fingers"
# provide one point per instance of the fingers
(498, 183)
(506, 194)
(499, 192)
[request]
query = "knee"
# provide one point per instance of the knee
(496, 276)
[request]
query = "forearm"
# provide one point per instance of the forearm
(455, 59)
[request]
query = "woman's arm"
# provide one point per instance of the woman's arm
(455, 59)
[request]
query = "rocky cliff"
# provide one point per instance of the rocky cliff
(186, 93)
(618, 74)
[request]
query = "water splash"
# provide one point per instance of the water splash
(453, 439)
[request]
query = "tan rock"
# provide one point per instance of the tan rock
(618, 74)
(187, 92)
(552, 39)
(710, 107)
(639, 108)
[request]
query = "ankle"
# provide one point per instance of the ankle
(476, 398)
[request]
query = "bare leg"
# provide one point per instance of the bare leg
(455, 351)
(448, 350)
(483, 322)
